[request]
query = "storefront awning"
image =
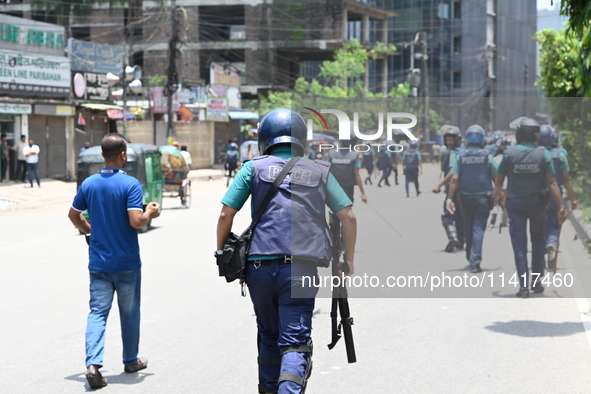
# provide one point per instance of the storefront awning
(238, 115)
(100, 107)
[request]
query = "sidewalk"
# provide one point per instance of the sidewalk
(20, 196)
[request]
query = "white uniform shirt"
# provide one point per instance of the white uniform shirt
(32, 158)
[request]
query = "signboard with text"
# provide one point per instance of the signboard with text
(90, 86)
(33, 74)
(97, 58)
(19, 32)
(217, 110)
(9, 108)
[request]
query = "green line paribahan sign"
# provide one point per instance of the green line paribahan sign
(32, 60)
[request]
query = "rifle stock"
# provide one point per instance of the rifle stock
(340, 304)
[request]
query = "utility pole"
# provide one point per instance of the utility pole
(426, 86)
(124, 87)
(172, 79)
(525, 90)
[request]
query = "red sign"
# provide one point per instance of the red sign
(185, 113)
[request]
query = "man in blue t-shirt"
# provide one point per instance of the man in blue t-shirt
(113, 200)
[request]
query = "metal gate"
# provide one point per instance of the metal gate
(49, 132)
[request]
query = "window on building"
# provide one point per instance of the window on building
(18, 14)
(81, 33)
(457, 45)
(457, 80)
(237, 32)
(220, 23)
(137, 59)
(457, 9)
(354, 30)
(443, 10)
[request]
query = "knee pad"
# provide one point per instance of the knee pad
(307, 350)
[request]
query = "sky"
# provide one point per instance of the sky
(545, 4)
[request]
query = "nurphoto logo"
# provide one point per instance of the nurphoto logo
(346, 126)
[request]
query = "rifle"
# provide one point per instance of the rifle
(340, 304)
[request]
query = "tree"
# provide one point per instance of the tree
(562, 59)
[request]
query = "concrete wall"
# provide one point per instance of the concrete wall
(198, 136)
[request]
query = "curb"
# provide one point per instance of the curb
(583, 229)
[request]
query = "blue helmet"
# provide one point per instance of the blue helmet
(413, 145)
(475, 135)
(282, 126)
(547, 136)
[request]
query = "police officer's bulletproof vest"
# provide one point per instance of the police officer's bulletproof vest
(558, 170)
(526, 173)
(294, 223)
(383, 159)
(474, 173)
(445, 161)
(411, 160)
(342, 166)
(367, 158)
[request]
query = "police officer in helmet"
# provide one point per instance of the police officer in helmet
(452, 223)
(473, 176)
(288, 243)
(345, 165)
(529, 170)
(549, 139)
(412, 163)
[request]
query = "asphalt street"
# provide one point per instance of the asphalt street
(199, 334)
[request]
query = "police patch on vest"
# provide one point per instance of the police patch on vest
(526, 168)
(298, 175)
(341, 161)
(474, 159)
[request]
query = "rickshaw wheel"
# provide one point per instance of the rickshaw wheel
(145, 227)
(186, 201)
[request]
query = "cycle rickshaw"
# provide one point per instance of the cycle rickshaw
(175, 171)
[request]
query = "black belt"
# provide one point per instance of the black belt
(280, 260)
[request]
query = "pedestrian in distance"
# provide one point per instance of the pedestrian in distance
(4, 157)
(21, 159)
(113, 201)
(368, 163)
(32, 156)
(232, 157)
(530, 176)
(549, 139)
(473, 174)
(413, 164)
(86, 146)
(436, 149)
(453, 224)
(187, 157)
(284, 250)
(385, 164)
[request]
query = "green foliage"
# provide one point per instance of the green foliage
(565, 78)
(559, 61)
(157, 80)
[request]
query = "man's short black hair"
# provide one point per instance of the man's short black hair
(112, 145)
(183, 147)
(23, 136)
(3, 135)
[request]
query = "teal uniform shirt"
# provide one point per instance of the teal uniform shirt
(563, 159)
(241, 188)
(492, 167)
(527, 146)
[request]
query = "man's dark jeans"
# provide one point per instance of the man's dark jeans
(33, 168)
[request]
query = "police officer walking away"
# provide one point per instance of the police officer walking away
(368, 163)
(472, 176)
(549, 139)
(344, 166)
(412, 162)
(288, 243)
(452, 223)
(529, 170)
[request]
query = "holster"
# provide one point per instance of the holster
(491, 200)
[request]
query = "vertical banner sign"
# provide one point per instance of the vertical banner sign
(160, 106)
(217, 110)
